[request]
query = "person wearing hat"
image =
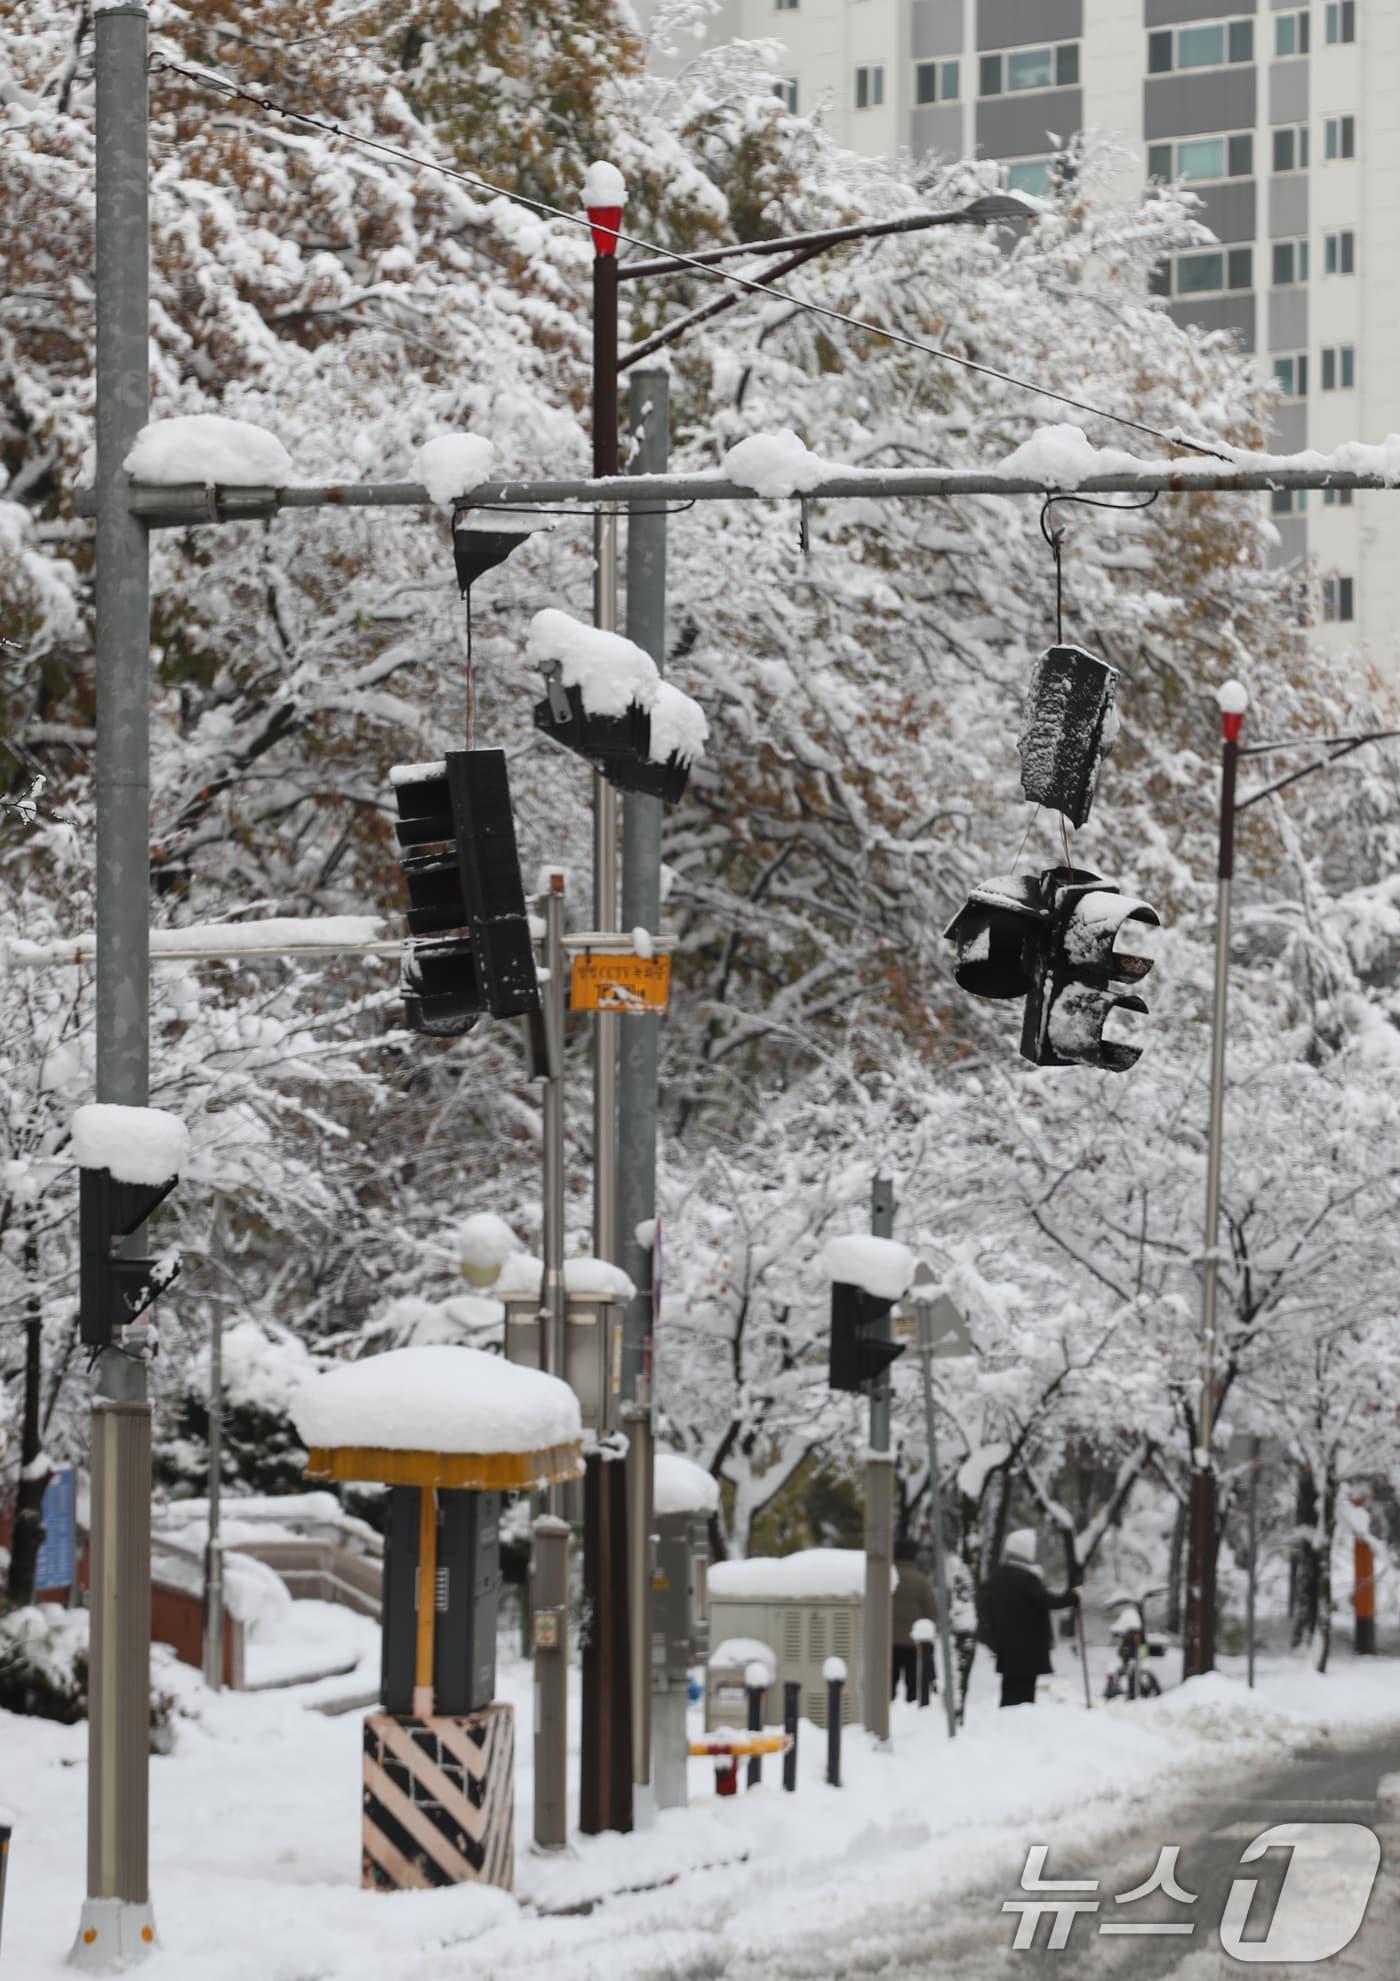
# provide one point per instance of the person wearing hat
(1014, 1617)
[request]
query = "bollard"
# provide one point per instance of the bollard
(756, 1678)
(792, 1694)
(4, 1861)
(923, 1634)
(834, 1672)
(550, 1631)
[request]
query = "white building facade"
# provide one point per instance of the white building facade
(1284, 117)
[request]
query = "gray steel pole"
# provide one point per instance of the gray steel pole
(554, 1303)
(924, 1312)
(878, 1615)
(116, 1919)
(649, 416)
(550, 1611)
(214, 1551)
(605, 916)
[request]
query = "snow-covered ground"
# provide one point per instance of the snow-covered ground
(255, 1823)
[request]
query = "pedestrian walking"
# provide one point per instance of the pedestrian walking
(1014, 1617)
(913, 1598)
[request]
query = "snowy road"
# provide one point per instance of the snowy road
(972, 1938)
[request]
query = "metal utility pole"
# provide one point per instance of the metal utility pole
(1200, 1567)
(649, 420)
(117, 1922)
(553, 1318)
(605, 1786)
(923, 1311)
(549, 1565)
(878, 1613)
(214, 1549)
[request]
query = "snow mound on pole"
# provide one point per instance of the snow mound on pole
(137, 1144)
(209, 448)
(453, 464)
(682, 1486)
(882, 1266)
(777, 464)
(440, 1399)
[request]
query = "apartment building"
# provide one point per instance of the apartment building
(1286, 120)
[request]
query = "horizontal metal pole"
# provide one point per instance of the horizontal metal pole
(179, 508)
(24, 955)
(997, 207)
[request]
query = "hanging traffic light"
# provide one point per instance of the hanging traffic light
(1073, 946)
(859, 1355)
(462, 873)
(1098, 943)
(606, 701)
(113, 1291)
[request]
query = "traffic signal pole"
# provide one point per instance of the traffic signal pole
(878, 1614)
(1200, 1569)
(117, 1922)
(605, 1781)
(648, 415)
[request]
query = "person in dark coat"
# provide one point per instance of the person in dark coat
(913, 1598)
(1014, 1617)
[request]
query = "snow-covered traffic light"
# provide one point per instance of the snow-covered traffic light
(998, 933)
(462, 872)
(859, 1352)
(606, 701)
(1098, 944)
(128, 1163)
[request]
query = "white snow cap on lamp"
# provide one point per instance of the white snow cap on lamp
(604, 185)
(1232, 697)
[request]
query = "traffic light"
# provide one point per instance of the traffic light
(1072, 945)
(1098, 943)
(858, 1356)
(606, 701)
(1068, 727)
(462, 873)
(113, 1291)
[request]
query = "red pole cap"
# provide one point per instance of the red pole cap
(1233, 698)
(604, 196)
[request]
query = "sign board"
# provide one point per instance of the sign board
(55, 1566)
(948, 1329)
(619, 982)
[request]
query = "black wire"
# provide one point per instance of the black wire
(221, 86)
(1056, 537)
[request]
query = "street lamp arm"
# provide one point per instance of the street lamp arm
(670, 332)
(1344, 749)
(979, 213)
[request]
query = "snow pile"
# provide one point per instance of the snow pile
(1063, 456)
(678, 726)
(610, 672)
(882, 1266)
(437, 1399)
(682, 1486)
(604, 185)
(484, 1242)
(453, 464)
(209, 448)
(523, 1273)
(137, 1144)
(778, 464)
(738, 1653)
(837, 1574)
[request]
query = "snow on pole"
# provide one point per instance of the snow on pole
(604, 196)
(134, 1144)
(210, 449)
(881, 1266)
(1233, 699)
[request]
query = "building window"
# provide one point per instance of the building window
(1055, 67)
(1337, 497)
(935, 82)
(1339, 137)
(1290, 263)
(1031, 175)
(1339, 253)
(1211, 272)
(1339, 368)
(1292, 33)
(1203, 158)
(1288, 501)
(870, 86)
(1291, 375)
(1208, 47)
(1338, 601)
(1341, 21)
(786, 92)
(1291, 148)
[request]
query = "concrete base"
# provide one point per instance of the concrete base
(668, 1749)
(112, 1932)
